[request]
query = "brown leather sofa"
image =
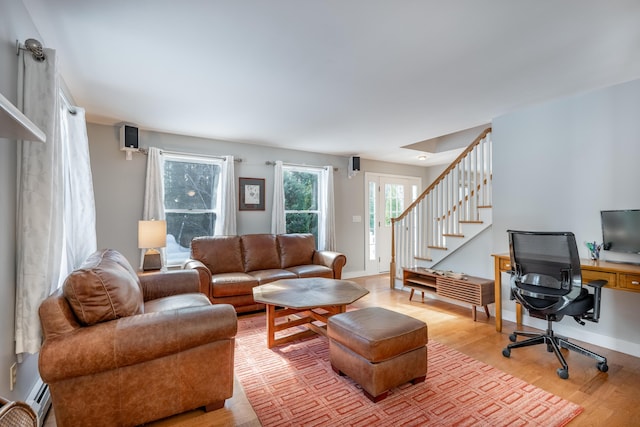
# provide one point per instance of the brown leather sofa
(231, 266)
(123, 350)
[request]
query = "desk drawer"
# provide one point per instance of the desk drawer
(505, 264)
(590, 275)
(630, 281)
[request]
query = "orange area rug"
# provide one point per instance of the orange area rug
(294, 385)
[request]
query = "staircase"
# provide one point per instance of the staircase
(454, 209)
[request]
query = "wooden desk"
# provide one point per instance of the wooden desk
(620, 277)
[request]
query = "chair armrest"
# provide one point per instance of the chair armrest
(203, 272)
(333, 260)
(597, 283)
(167, 283)
(133, 340)
(597, 295)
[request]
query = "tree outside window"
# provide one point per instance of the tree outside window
(301, 200)
(191, 202)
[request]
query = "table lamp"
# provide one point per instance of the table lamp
(151, 236)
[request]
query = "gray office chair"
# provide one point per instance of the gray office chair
(547, 281)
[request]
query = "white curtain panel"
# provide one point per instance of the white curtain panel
(327, 225)
(79, 201)
(226, 226)
(278, 224)
(39, 222)
(153, 207)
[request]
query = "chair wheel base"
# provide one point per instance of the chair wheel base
(506, 352)
(563, 373)
(603, 367)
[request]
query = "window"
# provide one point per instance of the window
(191, 202)
(301, 199)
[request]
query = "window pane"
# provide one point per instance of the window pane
(303, 222)
(190, 202)
(300, 190)
(190, 185)
(181, 228)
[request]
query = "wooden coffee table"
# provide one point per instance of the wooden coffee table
(303, 302)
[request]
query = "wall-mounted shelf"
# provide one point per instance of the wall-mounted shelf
(15, 125)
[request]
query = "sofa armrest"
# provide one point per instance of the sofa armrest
(203, 272)
(133, 340)
(333, 260)
(167, 283)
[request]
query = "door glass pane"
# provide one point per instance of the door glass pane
(394, 202)
(372, 221)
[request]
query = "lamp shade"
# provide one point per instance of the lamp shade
(152, 234)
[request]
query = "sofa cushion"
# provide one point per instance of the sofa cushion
(259, 252)
(268, 276)
(311, 270)
(230, 284)
(221, 254)
(104, 288)
(296, 249)
(175, 302)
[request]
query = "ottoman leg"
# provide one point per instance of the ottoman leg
(376, 399)
(338, 371)
(418, 380)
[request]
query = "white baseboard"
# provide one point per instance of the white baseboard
(351, 274)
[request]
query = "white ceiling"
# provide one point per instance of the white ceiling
(344, 77)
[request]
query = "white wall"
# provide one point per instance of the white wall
(15, 24)
(119, 187)
(556, 165)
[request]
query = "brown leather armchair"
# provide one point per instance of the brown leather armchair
(123, 350)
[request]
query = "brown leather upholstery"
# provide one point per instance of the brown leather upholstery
(256, 259)
(104, 288)
(296, 249)
(221, 254)
(176, 355)
(378, 348)
(259, 252)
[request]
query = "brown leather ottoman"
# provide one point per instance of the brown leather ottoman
(378, 348)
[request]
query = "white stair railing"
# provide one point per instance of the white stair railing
(453, 199)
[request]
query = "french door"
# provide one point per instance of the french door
(387, 197)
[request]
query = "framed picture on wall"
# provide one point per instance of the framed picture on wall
(251, 194)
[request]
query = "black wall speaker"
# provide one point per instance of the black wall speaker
(355, 163)
(128, 137)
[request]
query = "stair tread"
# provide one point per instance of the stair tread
(453, 235)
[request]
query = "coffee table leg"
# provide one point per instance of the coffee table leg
(271, 325)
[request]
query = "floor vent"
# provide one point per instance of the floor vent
(40, 400)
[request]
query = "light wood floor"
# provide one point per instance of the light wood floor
(610, 399)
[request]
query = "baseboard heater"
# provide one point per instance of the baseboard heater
(40, 400)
